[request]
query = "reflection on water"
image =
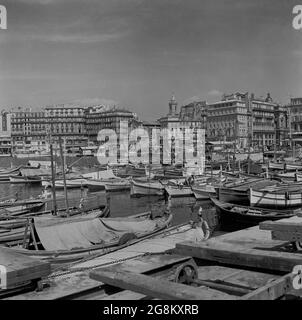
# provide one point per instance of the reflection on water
(121, 204)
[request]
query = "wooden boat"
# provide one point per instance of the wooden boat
(25, 179)
(293, 167)
(5, 174)
(178, 191)
(65, 240)
(233, 195)
(146, 188)
(18, 210)
(71, 183)
(233, 213)
(13, 202)
(287, 176)
(204, 192)
(276, 166)
(12, 228)
(237, 192)
(117, 185)
(283, 197)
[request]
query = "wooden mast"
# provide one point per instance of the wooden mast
(53, 178)
(64, 178)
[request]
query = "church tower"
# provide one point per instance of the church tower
(172, 106)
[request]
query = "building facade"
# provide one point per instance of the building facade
(192, 117)
(247, 121)
(227, 120)
(5, 134)
(28, 131)
(67, 122)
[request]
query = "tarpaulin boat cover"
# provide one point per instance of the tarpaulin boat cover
(83, 232)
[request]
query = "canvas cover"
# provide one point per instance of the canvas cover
(83, 232)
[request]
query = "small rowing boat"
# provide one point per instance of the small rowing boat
(146, 188)
(179, 191)
(63, 240)
(25, 179)
(282, 197)
(204, 192)
(233, 213)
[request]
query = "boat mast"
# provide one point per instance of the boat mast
(64, 178)
(53, 177)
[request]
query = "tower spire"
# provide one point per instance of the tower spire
(173, 105)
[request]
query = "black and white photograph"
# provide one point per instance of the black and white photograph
(149, 151)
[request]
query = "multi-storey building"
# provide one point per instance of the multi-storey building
(28, 131)
(227, 120)
(5, 133)
(67, 122)
(192, 116)
(100, 117)
(247, 121)
(295, 114)
(264, 121)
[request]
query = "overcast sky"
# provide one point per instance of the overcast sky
(136, 53)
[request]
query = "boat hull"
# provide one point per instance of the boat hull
(175, 192)
(146, 189)
(278, 199)
(204, 193)
(248, 216)
(232, 195)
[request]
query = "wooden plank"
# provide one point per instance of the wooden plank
(281, 226)
(272, 290)
(79, 283)
(234, 276)
(21, 268)
(154, 287)
(286, 236)
(150, 263)
(233, 254)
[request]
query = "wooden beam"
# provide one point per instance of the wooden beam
(286, 236)
(281, 226)
(240, 255)
(21, 268)
(272, 290)
(154, 287)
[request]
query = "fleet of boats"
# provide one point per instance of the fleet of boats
(63, 229)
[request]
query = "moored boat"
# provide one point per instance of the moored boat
(234, 213)
(146, 188)
(117, 185)
(283, 197)
(178, 191)
(25, 179)
(63, 240)
(204, 192)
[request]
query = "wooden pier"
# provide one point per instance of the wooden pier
(246, 264)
